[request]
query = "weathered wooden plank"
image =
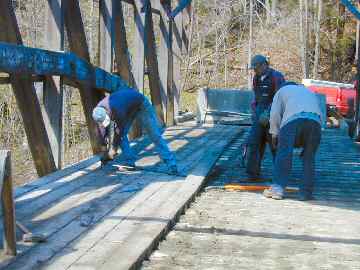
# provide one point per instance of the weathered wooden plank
(116, 232)
(26, 98)
(7, 203)
(139, 233)
(152, 197)
(106, 35)
(77, 42)
(122, 56)
(73, 208)
(152, 65)
(52, 87)
(64, 230)
(166, 61)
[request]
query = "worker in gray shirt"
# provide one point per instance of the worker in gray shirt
(295, 119)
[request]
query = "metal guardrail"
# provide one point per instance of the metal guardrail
(232, 106)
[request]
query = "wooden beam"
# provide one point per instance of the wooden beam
(177, 59)
(25, 61)
(26, 98)
(166, 60)
(152, 65)
(186, 22)
(122, 57)
(77, 42)
(7, 202)
(105, 35)
(139, 43)
(34, 78)
(138, 64)
(52, 88)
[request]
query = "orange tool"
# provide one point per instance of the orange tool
(240, 187)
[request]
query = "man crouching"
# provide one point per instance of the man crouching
(295, 121)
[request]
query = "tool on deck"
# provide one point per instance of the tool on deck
(28, 236)
(240, 187)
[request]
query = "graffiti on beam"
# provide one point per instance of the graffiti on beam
(17, 60)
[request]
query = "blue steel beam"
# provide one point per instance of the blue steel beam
(351, 7)
(17, 59)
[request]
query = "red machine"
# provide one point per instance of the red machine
(339, 96)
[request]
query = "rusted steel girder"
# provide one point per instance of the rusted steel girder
(19, 60)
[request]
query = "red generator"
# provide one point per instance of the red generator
(339, 96)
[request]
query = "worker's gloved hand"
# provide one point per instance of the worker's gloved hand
(112, 153)
(274, 141)
(107, 156)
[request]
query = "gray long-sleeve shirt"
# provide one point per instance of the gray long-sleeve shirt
(292, 102)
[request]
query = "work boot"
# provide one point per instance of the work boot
(271, 193)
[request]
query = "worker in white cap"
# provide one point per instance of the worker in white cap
(123, 107)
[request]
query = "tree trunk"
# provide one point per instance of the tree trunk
(341, 24)
(317, 39)
(304, 37)
(268, 11)
(251, 11)
(273, 8)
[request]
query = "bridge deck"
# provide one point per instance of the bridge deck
(243, 230)
(99, 218)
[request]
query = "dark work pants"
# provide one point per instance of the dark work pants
(258, 137)
(303, 133)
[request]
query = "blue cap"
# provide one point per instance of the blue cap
(257, 60)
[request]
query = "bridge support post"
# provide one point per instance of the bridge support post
(52, 92)
(7, 203)
(177, 59)
(166, 62)
(153, 67)
(78, 45)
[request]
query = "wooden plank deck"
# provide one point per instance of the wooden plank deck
(103, 218)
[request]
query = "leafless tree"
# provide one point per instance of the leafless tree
(317, 39)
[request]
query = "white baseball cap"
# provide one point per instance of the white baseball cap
(101, 116)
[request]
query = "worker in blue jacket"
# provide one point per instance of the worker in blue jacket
(123, 107)
(265, 84)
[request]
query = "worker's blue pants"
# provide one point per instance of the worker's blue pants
(303, 133)
(148, 121)
(258, 137)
